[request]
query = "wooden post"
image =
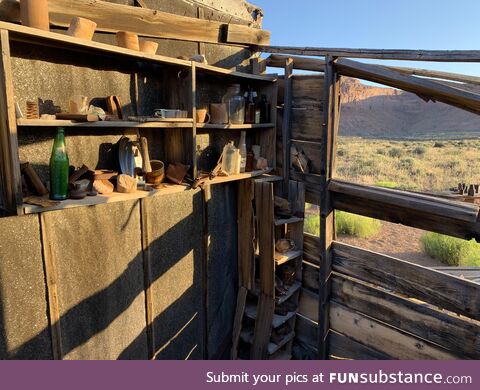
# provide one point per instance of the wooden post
(9, 163)
(287, 111)
(327, 215)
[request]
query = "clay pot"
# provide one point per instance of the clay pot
(157, 176)
(34, 13)
(202, 115)
(218, 113)
(82, 28)
(149, 47)
(128, 40)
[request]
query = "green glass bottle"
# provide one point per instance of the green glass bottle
(59, 166)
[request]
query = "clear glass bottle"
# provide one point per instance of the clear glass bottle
(243, 151)
(228, 159)
(236, 104)
(59, 166)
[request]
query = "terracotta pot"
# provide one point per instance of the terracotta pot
(34, 13)
(128, 40)
(202, 115)
(218, 113)
(149, 47)
(82, 28)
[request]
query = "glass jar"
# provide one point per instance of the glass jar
(236, 104)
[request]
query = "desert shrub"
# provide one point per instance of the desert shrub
(387, 184)
(439, 145)
(451, 250)
(356, 225)
(395, 152)
(419, 150)
(381, 151)
(341, 152)
(311, 224)
(407, 163)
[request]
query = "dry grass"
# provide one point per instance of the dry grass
(409, 165)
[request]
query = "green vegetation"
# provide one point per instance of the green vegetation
(346, 223)
(450, 250)
(417, 165)
(386, 184)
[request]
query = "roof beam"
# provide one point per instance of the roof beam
(301, 63)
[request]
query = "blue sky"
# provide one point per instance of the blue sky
(378, 24)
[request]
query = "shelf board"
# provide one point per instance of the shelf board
(102, 124)
(240, 176)
(65, 42)
(287, 221)
(103, 199)
(234, 127)
(281, 258)
(278, 320)
(247, 337)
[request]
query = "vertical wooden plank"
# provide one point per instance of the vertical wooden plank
(10, 164)
(52, 293)
(263, 327)
(147, 274)
(246, 248)
(201, 45)
(207, 195)
(327, 215)
(237, 322)
(193, 94)
(264, 202)
(287, 110)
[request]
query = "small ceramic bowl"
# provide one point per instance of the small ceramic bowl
(157, 176)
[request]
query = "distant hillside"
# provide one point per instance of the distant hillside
(388, 113)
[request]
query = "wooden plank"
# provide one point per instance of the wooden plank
(470, 273)
(429, 204)
(382, 54)
(143, 21)
(102, 124)
(432, 90)
(307, 92)
(264, 202)
(454, 333)
(463, 78)
(286, 120)
(237, 33)
(436, 288)
(327, 214)
(263, 327)
(301, 63)
(308, 305)
(147, 274)
(246, 248)
(11, 198)
(383, 338)
(52, 291)
(310, 277)
(312, 183)
(237, 322)
(311, 245)
(306, 331)
(342, 347)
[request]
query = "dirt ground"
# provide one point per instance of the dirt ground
(395, 240)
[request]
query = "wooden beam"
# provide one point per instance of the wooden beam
(237, 33)
(286, 122)
(437, 74)
(452, 332)
(246, 248)
(301, 63)
(436, 288)
(381, 54)
(420, 211)
(146, 22)
(436, 91)
(342, 347)
(9, 160)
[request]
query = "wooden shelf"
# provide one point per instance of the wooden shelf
(65, 42)
(278, 320)
(102, 124)
(234, 127)
(283, 298)
(103, 199)
(240, 176)
(281, 258)
(279, 222)
(247, 337)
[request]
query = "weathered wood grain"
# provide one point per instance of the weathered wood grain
(454, 333)
(463, 78)
(237, 321)
(383, 338)
(342, 347)
(448, 292)
(237, 33)
(301, 63)
(246, 249)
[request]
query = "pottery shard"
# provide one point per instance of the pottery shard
(126, 184)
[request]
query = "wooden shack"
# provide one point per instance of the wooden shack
(189, 270)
